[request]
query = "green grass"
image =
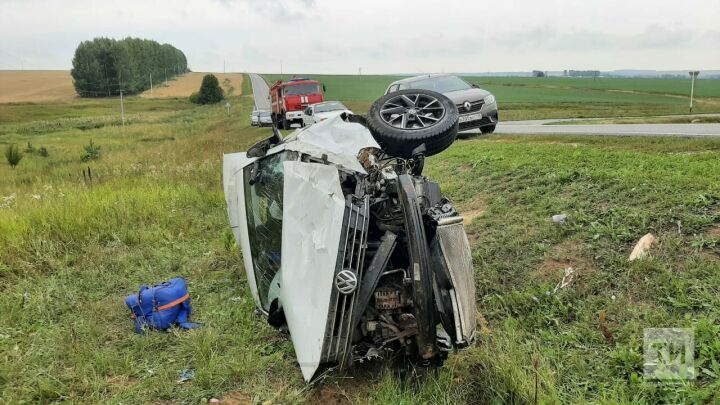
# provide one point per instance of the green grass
(535, 98)
(71, 249)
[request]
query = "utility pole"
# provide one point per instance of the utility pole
(693, 76)
(281, 67)
(151, 83)
(122, 109)
(223, 65)
(166, 76)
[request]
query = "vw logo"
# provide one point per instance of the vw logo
(467, 105)
(346, 282)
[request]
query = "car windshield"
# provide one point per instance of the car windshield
(263, 205)
(296, 89)
(265, 114)
(441, 84)
(325, 107)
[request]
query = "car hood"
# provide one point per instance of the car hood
(461, 96)
(334, 139)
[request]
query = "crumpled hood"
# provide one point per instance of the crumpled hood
(461, 96)
(339, 140)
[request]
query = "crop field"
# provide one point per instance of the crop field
(24, 86)
(78, 235)
(189, 83)
(535, 98)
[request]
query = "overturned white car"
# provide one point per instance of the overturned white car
(346, 245)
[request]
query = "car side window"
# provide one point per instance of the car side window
(392, 89)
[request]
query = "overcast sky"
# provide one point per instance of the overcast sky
(381, 36)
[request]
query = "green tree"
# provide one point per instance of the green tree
(210, 91)
(13, 155)
(103, 67)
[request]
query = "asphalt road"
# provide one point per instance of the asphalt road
(540, 127)
(260, 92)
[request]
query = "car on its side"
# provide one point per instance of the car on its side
(477, 107)
(348, 246)
(265, 119)
(321, 111)
(255, 118)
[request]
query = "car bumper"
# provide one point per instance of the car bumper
(293, 115)
(489, 117)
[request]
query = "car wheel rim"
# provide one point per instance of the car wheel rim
(412, 111)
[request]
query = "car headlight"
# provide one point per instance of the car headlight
(489, 99)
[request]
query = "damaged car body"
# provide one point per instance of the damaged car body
(347, 245)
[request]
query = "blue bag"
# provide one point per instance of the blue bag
(161, 306)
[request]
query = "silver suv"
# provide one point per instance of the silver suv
(477, 107)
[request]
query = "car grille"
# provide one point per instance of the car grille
(351, 256)
(475, 106)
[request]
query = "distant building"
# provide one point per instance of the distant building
(538, 73)
(584, 73)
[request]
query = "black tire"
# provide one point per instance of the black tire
(437, 132)
(488, 129)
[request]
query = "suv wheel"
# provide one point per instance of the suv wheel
(404, 120)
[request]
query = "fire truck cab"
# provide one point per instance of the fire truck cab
(289, 99)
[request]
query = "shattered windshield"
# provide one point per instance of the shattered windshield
(263, 202)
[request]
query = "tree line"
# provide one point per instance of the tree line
(105, 67)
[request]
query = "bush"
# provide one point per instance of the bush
(13, 155)
(195, 98)
(210, 91)
(92, 152)
(30, 148)
(43, 152)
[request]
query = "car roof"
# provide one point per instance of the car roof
(421, 77)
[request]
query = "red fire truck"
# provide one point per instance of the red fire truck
(289, 99)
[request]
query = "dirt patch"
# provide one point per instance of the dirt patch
(185, 85)
(564, 255)
(236, 398)
(473, 209)
(30, 86)
(329, 396)
(714, 231)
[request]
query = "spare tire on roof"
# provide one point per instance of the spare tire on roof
(403, 121)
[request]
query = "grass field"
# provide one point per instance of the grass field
(535, 98)
(72, 247)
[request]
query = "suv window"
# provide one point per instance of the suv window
(263, 204)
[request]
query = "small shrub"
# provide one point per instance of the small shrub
(30, 149)
(92, 152)
(43, 152)
(195, 98)
(13, 155)
(210, 91)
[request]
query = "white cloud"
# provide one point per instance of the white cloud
(382, 36)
